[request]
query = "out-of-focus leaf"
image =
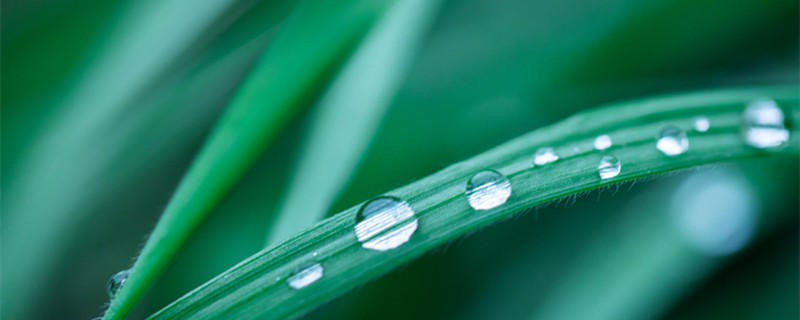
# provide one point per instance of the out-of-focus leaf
(72, 151)
(349, 113)
(296, 63)
(668, 239)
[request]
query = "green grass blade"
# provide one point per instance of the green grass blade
(274, 92)
(56, 172)
(348, 115)
(256, 287)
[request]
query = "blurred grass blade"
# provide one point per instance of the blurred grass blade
(349, 113)
(673, 231)
(299, 60)
(257, 288)
(656, 244)
(45, 192)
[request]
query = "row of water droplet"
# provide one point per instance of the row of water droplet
(386, 222)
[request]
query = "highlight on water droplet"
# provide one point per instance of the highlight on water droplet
(305, 274)
(602, 142)
(116, 282)
(385, 223)
(763, 124)
(609, 167)
(487, 189)
(544, 156)
(672, 141)
(701, 124)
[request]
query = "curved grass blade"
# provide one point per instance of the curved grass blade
(256, 287)
(288, 73)
(349, 113)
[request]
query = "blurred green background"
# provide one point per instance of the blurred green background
(105, 103)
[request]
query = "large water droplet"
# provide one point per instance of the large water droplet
(609, 167)
(763, 125)
(672, 141)
(116, 282)
(701, 124)
(544, 156)
(305, 274)
(602, 142)
(487, 189)
(385, 223)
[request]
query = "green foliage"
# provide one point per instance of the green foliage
(103, 116)
(256, 287)
(266, 102)
(349, 114)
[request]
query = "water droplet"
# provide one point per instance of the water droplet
(116, 282)
(602, 142)
(385, 223)
(487, 189)
(544, 156)
(763, 125)
(672, 141)
(701, 124)
(609, 167)
(314, 254)
(305, 274)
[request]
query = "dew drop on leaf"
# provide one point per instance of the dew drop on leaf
(487, 189)
(701, 124)
(609, 167)
(763, 125)
(602, 142)
(116, 282)
(305, 274)
(385, 223)
(672, 141)
(544, 156)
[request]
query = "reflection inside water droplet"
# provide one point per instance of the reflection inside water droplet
(487, 189)
(672, 141)
(609, 167)
(544, 156)
(305, 274)
(701, 124)
(116, 282)
(763, 124)
(385, 223)
(602, 142)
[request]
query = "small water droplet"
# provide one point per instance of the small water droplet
(314, 254)
(602, 142)
(544, 156)
(385, 223)
(672, 141)
(278, 278)
(609, 167)
(763, 125)
(487, 189)
(701, 124)
(305, 274)
(116, 282)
